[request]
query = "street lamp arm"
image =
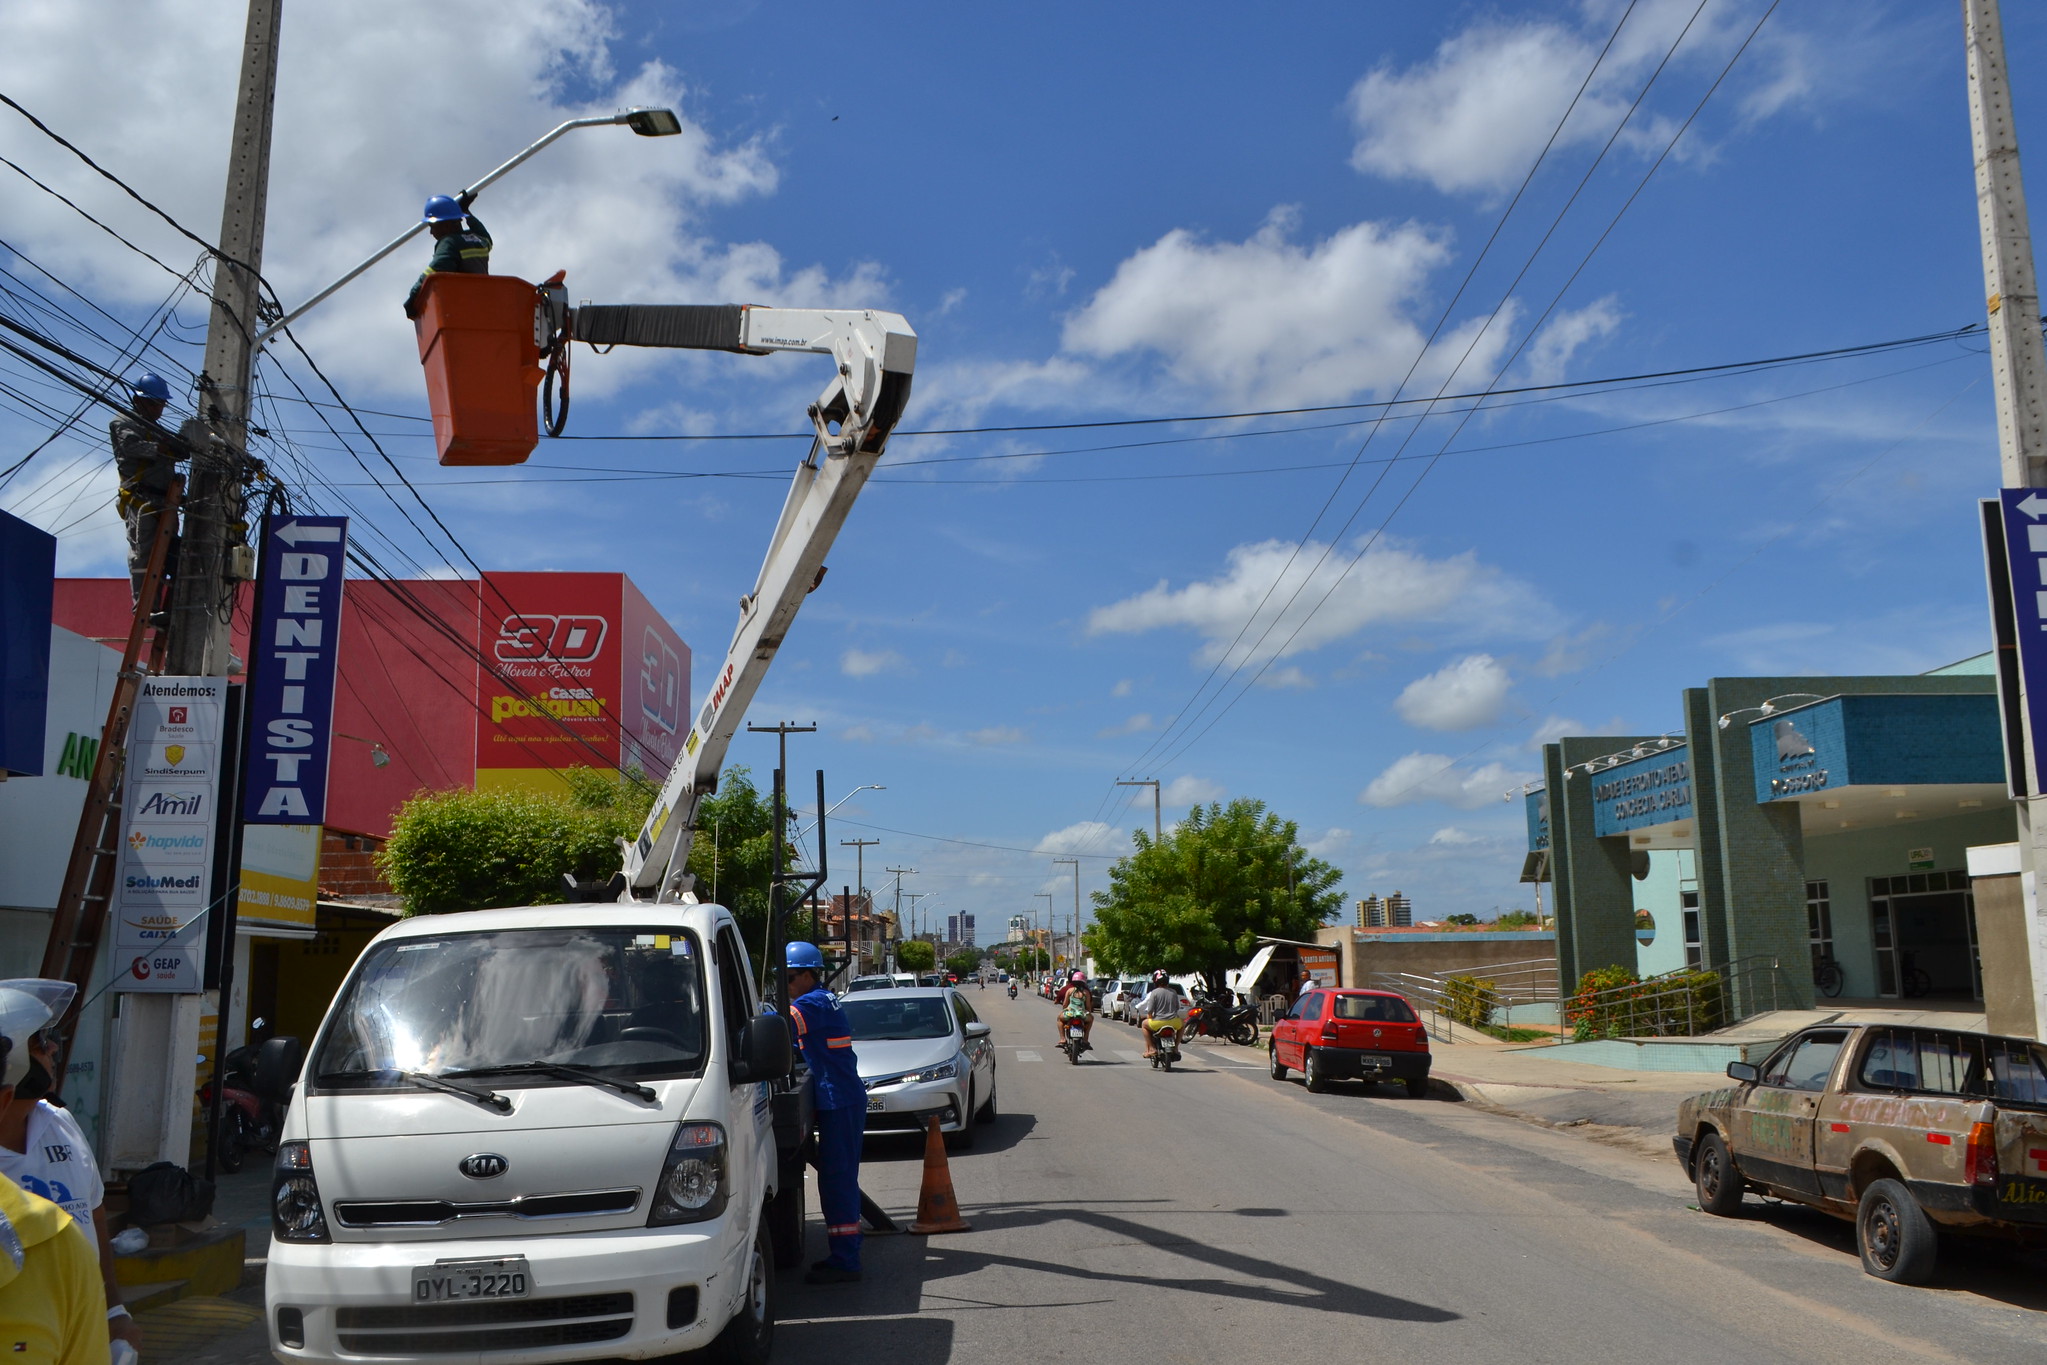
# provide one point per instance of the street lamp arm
(647, 122)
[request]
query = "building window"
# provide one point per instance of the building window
(1819, 921)
(1695, 947)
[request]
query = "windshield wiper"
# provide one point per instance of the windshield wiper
(489, 1099)
(567, 1073)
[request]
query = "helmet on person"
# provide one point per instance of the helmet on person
(1158, 978)
(802, 957)
(147, 385)
(442, 208)
(1077, 979)
(27, 1005)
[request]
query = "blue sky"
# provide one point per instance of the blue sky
(1096, 213)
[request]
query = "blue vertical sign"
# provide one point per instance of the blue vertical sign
(293, 648)
(2025, 545)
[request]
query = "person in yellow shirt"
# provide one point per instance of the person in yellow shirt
(52, 1307)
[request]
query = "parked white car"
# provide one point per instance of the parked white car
(921, 1051)
(870, 983)
(1125, 995)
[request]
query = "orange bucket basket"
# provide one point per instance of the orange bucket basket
(478, 346)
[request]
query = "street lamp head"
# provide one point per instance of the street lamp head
(652, 122)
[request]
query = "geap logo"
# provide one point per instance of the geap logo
(565, 639)
(660, 683)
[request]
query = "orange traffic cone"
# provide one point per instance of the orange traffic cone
(937, 1210)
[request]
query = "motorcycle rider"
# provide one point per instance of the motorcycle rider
(1076, 1006)
(1161, 1006)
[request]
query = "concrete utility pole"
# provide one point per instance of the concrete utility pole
(1158, 828)
(859, 847)
(899, 871)
(1076, 905)
(1046, 896)
(2018, 367)
(202, 592)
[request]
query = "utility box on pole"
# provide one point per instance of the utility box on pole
(2018, 365)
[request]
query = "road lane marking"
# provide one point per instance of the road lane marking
(1026, 1055)
(1128, 1054)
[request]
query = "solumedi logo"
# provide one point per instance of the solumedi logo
(156, 881)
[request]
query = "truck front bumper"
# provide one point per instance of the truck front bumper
(595, 1295)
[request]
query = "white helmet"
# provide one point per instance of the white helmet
(27, 1005)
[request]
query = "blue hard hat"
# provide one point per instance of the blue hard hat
(440, 209)
(147, 385)
(802, 956)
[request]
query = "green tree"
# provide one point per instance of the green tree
(732, 856)
(915, 955)
(1199, 899)
(1463, 918)
(476, 850)
(1518, 919)
(963, 963)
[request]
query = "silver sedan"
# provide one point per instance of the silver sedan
(923, 1051)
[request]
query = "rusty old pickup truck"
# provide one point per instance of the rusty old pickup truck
(1910, 1132)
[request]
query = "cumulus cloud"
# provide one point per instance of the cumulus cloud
(1460, 696)
(1288, 679)
(1452, 837)
(1280, 321)
(858, 734)
(1549, 356)
(1419, 777)
(1136, 725)
(866, 663)
(1473, 116)
(1089, 836)
(1457, 596)
(1189, 790)
(1121, 689)
(1554, 728)
(996, 734)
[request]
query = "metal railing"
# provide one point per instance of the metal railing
(1686, 1003)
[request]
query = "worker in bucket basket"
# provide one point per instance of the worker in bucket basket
(458, 249)
(826, 1038)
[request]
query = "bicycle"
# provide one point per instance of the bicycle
(1914, 979)
(1827, 977)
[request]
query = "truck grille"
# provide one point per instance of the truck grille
(426, 1213)
(512, 1324)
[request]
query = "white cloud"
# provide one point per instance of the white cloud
(858, 734)
(952, 299)
(1570, 651)
(1274, 321)
(866, 663)
(1189, 790)
(1288, 679)
(1089, 836)
(1551, 352)
(1554, 728)
(1136, 725)
(1420, 777)
(1452, 837)
(1460, 696)
(1121, 689)
(996, 734)
(1330, 843)
(1457, 596)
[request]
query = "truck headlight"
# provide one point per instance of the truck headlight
(692, 1185)
(295, 1211)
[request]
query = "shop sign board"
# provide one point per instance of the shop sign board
(164, 886)
(1655, 790)
(1536, 804)
(280, 877)
(295, 643)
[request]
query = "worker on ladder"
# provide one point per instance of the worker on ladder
(458, 249)
(146, 464)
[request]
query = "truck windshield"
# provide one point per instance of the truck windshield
(619, 1001)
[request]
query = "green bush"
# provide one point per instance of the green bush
(915, 955)
(1611, 1002)
(1470, 1000)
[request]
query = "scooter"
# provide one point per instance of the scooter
(246, 1121)
(1165, 1045)
(1076, 1043)
(1012, 990)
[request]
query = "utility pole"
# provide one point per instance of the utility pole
(915, 896)
(859, 847)
(1076, 905)
(202, 600)
(2018, 368)
(899, 871)
(1046, 896)
(1158, 828)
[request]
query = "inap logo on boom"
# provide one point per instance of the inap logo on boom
(564, 639)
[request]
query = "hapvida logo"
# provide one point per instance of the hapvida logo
(140, 840)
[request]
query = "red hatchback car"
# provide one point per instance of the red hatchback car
(1335, 1034)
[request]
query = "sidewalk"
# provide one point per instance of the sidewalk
(1516, 1079)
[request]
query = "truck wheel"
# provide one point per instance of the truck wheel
(1316, 1072)
(1272, 1057)
(785, 1217)
(749, 1338)
(1896, 1237)
(1718, 1182)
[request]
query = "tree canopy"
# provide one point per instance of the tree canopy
(963, 962)
(915, 955)
(1199, 899)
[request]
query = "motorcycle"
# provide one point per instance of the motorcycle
(1217, 1018)
(1076, 1043)
(1165, 1044)
(246, 1121)
(1012, 990)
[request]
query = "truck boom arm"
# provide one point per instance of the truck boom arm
(875, 353)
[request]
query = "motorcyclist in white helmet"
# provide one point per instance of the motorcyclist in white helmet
(52, 1300)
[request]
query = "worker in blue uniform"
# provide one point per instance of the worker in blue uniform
(461, 243)
(826, 1038)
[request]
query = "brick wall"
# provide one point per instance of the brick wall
(347, 866)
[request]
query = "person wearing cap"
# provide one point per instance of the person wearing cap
(146, 464)
(458, 248)
(825, 1036)
(52, 1300)
(43, 1150)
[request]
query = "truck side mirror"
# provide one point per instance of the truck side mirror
(762, 1051)
(277, 1069)
(1744, 1071)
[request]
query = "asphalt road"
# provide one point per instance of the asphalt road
(1212, 1214)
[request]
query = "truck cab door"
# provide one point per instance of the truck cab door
(750, 1123)
(1774, 1121)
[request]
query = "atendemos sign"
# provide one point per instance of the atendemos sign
(294, 644)
(164, 887)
